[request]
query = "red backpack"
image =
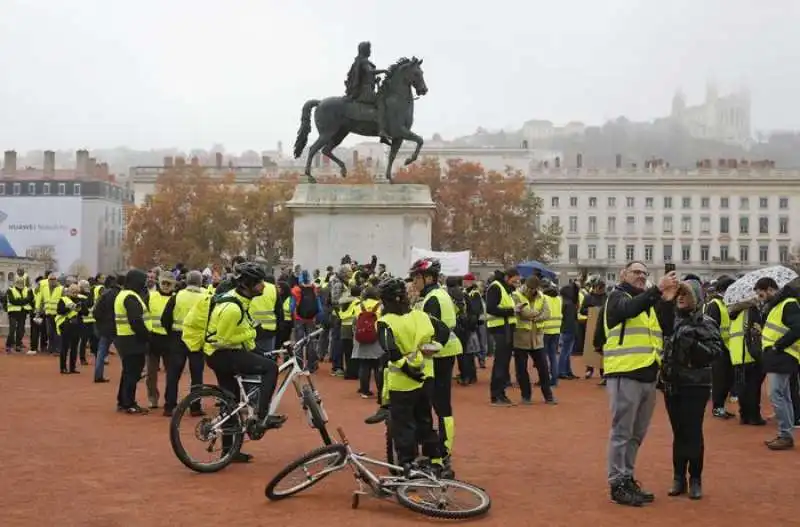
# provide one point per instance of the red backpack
(366, 327)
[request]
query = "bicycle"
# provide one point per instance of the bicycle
(404, 484)
(236, 418)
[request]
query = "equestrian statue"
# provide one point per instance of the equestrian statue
(370, 107)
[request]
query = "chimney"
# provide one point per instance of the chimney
(579, 160)
(82, 161)
(91, 166)
(10, 162)
(103, 171)
(218, 160)
(558, 162)
(355, 157)
(195, 161)
(168, 161)
(619, 161)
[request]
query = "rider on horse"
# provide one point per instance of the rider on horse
(361, 84)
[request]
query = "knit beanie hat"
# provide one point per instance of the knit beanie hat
(694, 288)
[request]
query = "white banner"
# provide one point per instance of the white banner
(43, 228)
(453, 263)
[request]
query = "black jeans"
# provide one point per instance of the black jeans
(38, 335)
(70, 335)
(179, 354)
(351, 365)
(721, 380)
(369, 368)
(501, 376)
(228, 363)
(412, 424)
(16, 329)
(132, 366)
(794, 387)
(750, 391)
(524, 379)
(87, 339)
(686, 407)
(442, 399)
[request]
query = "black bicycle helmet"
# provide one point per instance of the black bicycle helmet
(392, 289)
(249, 274)
(426, 266)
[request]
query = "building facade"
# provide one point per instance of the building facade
(723, 118)
(707, 222)
(72, 219)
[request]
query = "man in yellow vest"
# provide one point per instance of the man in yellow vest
(266, 313)
(634, 319)
(780, 341)
(18, 298)
(178, 306)
(51, 295)
(722, 369)
(529, 339)
(501, 320)
(160, 344)
(38, 331)
(436, 302)
(744, 347)
(132, 338)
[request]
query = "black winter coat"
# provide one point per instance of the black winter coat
(689, 352)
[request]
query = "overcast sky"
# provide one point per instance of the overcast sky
(191, 73)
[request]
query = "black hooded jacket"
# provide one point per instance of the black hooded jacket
(135, 281)
(688, 354)
(775, 360)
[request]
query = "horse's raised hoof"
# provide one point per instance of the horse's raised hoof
(409, 160)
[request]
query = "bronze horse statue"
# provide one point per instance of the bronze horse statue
(337, 117)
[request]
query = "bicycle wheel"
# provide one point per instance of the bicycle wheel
(315, 413)
(329, 456)
(434, 501)
(205, 430)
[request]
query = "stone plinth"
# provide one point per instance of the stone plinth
(360, 220)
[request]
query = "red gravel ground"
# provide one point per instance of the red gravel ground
(70, 459)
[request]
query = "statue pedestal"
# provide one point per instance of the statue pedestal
(360, 220)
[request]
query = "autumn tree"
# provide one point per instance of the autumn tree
(266, 224)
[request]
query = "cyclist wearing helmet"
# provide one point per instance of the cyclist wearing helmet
(434, 300)
(403, 333)
(231, 338)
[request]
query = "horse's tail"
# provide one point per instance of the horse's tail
(305, 127)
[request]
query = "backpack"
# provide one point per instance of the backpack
(307, 307)
(195, 325)
(365, 330)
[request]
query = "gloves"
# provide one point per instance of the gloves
(414, 373)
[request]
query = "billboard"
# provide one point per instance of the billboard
(44, 228)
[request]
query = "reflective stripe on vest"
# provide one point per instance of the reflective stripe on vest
(16, 293)
(638, 348)
(447, 309)
(262, 308)
(88, 319)
(552, 326)
(737, 348)
(774, 329)
(506, 302)
(124, 328)
(581, 300)
(156, 304)
(52, 298)
(60, 319)
(410, 331)
(185, 299)
(724, 319)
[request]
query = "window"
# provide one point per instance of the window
(686, 224)
(612, 224)
(668, 224)
(573, 252)
(555, 221)
(686, 202)
(744, 225)
(705, 203)
(724, 225)
(573, 224)
(2, 189)
(686, 253)
(649, 222)
(612, 253)
(783, 225)
(744, 254)
(763, 203)
(648, 203)
(668, 202)
(705, 224)
(629, 202)
(763, 254)
(667, 253)
(704, 253)
(554, 202)
(630, 253)
(630, 224)
(783, 203)
(592, 224)
(76, 189)
(32, 189)
(593, 203)
(612, 202)
(648, 253)
(763, 225)
(46, 189)
(744, 203)
(724, 253)
(62, 189)
(593, 252)
(724, 203)
(783, 254)
(17, 189)
(573, 201)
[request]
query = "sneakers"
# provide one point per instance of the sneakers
(780, 443)
(622, 493)
(381, 415)
(31, 352)
(647, 496)
(721, 413)
(502, 402)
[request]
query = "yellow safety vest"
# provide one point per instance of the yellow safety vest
(581, 300)
(506, 302)
(538, 305)
(724, 319)
(552, 326)
(287, 309)
(636, 348)
(184, 301)
(348, 315)
(16, 293)
(51, 298)
(736, 345)
(124, 328)
(774, 329)
(262, 308)
(97, 291)
(448, 312)
(88, 319)
(246, 332)
(410, 331)
(60, 319)
(157, 303)
(37, 298)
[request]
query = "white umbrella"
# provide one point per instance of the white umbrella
(742, 289)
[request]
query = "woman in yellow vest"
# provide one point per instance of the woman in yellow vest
(552, 330)
(160, 343)
(67, 322)
(744, 346)
(529, 340)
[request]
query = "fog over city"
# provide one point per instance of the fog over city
(194, 73)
